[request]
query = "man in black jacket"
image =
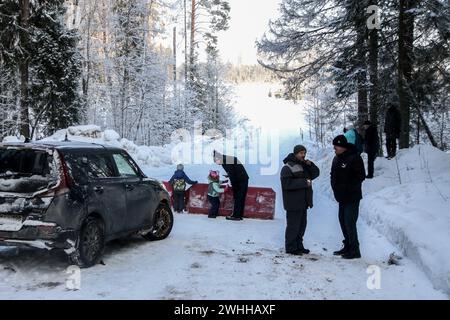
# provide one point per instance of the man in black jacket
(296, 177)
(371, 145)
(239, 182)
(347, 175)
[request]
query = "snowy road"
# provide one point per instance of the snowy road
(219, 259)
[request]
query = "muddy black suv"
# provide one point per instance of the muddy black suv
(77, 196)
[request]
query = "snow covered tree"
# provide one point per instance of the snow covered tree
(55, 70)
(208, 17)
(36, 43)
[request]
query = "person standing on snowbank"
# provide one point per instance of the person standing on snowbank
(392, 127)
(352, 135)
(347, 175)
(371, 145)
(296, 185)
(239, 182)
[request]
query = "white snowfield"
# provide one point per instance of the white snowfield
(219, 259)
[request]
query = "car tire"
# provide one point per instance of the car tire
(162, 223)
(90, 243)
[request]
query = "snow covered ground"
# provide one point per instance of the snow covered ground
(409, 202)
(219, 259)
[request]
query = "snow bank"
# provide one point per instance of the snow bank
(408, 201)
(12, 139)
(199, 148)
(144, 155)
(89, 131)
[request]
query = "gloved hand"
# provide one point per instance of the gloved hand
(225, 181)
(195, 182)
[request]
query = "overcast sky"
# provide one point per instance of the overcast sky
(249, 21)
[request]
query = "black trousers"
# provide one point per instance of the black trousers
(295, 230)
(239, 194)
(391, 146)
(215, 204)
(370, 163)
(178, 201)
(348, 216)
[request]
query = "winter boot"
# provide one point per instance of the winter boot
(343, 251)
(295, 252)
(303, 250)
(233, 218)
(352, 254)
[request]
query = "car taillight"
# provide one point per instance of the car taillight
(65, 181)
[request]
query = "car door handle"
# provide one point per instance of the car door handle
(98, 189)
(129, 187)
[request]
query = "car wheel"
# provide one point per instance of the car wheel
(90, 244)
(162, 223)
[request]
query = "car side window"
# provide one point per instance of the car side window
(100, 166)
(125, 168)
(76, 167)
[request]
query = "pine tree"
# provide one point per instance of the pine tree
(55, 71)
(36, 43)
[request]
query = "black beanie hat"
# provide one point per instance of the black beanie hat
(299, 148)
(340, 141)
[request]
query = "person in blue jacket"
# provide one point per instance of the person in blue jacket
(353, 137)
(178, 183)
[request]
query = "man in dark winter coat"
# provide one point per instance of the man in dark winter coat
(296, 177)
(371, 145)
(347, 175)
(392, 129)
(239, 182)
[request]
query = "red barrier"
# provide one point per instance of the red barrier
(259, 204)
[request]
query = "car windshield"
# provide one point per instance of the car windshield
(25, 170)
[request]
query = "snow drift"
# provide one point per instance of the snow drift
(409, 202)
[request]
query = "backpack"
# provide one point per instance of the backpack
(359, 142)
(179, 185)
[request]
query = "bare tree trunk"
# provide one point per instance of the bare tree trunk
(192, 52)
(373, 73)
(216, 98)
(185, 62)
(175, 89)
(427, 128)
(441, 135)
(86, 78)
(23, 69)
(123, 98)
(418, 130)
(405, 66)
(75, 13)
(362, 66)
